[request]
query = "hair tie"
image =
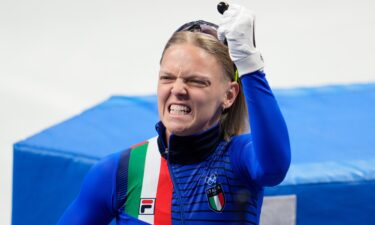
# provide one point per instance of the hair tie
(236, 75)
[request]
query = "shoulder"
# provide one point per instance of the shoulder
(240, 141)
(118, 160)
(107, 166)
(103, 174)
(239, 148)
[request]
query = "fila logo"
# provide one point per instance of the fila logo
(147, 206)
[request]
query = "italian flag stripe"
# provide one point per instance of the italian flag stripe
(151, 176)
(164, 196)
(221, 199)
(218, 203)
(212, 202)
(135, 177)
(215, 203)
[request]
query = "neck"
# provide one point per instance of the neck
(188, 149)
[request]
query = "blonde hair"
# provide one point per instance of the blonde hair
(233, 120)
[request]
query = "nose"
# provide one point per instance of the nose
(179, 88)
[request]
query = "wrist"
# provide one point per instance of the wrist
(250, 64)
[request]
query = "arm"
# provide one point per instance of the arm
(94, 204)
(263, 156)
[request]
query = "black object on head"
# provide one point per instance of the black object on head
(200, 26)
(222, 7)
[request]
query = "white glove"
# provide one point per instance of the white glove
(237, 26)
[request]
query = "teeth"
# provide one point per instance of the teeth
(179, 109)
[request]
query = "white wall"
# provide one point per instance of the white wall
(58, 58)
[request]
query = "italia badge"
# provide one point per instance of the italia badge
(216, 198)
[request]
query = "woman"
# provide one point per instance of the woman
(201, 163)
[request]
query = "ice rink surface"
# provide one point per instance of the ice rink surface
(58, 58)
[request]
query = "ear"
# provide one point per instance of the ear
(231, 94)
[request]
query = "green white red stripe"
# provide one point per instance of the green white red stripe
(149, 193)
(217, 202)
(150, 178)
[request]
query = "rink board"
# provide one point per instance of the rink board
(333, 158)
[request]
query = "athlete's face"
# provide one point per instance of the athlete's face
(192, 90)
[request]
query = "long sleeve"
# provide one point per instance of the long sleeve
(94, 204)
(263, 156)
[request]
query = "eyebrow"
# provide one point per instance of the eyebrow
(196, 76)
(191, 76)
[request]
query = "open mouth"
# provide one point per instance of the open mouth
(175, 109)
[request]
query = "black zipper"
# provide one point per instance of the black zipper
(173, 178)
